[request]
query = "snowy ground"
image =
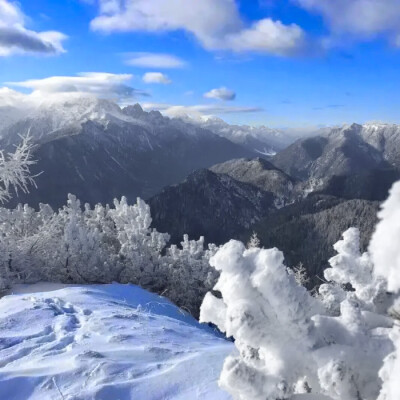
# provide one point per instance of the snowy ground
(110, 342)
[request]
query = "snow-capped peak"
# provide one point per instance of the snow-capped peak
(72, 109)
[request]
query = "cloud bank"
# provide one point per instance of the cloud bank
(216, 24)
(16, 39)
(362, 19)
(99, 84)
(198, 111)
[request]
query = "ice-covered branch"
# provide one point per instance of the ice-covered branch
(15, 169)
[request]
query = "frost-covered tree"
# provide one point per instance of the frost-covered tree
(385, 243)
(15, 169)
(14, 175)
(291, 343)
(385, 253)
(269, 315)
(188, 272)
(141, 246)
(80, 251)
(254, 241)
(80, 244)
(300, 274)
(350, 267)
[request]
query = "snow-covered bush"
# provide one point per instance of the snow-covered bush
(102, 245)
(351, 276)
(188, 273)
(140, 246)
(343, 343)
(269, 315)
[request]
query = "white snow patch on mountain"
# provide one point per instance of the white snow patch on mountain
(105, 342)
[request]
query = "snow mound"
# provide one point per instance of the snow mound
(105, 342)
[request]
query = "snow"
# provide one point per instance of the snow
(390, 371)
(70, 110)
(291, 345)
(384, 246)
(267, 152)
(104, 342)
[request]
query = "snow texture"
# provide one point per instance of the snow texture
(105, 343)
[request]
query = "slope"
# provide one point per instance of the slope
(105, 342)
(208, 204)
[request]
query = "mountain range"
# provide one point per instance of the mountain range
(209, 178)
(320, 186)
(99, 151)
(260, 139)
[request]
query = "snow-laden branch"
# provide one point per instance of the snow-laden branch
(15, 169)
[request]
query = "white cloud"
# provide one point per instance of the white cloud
(154, 60)
(198, 111)
(10, 97)
(217, 24)
(156, 77)
(361, 18)
(100, 84)
(221, 94)
(268, 36)
(16, 39)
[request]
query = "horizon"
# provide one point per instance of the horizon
(35, 101)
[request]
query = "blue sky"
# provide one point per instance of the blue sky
(296, 63)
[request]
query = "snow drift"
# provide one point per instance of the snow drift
(105, 342)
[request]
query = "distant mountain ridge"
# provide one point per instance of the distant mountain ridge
(98, 151)
(260, 139)
(209, 204)
(263, 175)
(320, 186)
(347, 150)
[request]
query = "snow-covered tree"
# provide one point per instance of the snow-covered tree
(79, 244)
(385, 246)
(189, 274)
(141, 246)
(269, 315)
(81, 255)
(300, 274)
(15, 169)
(291, 343)
(14, 175)
(350, 267)
(385, 253)
(254, 241)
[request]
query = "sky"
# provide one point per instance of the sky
(280, 63)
